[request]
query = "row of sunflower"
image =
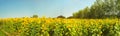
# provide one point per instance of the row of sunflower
(59, 27)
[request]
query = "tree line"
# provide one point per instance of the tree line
(100, 9)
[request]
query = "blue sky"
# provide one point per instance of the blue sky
(49, 8)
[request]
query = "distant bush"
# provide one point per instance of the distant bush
(35, 16)
(70, 17)
(60, 16)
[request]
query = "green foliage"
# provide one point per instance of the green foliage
(82, 13)
(100, 9)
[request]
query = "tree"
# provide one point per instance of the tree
(82, 13)
(97, 10)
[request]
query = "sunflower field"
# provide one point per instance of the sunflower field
(59, 27)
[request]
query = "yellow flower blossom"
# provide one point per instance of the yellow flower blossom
(48, 25)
